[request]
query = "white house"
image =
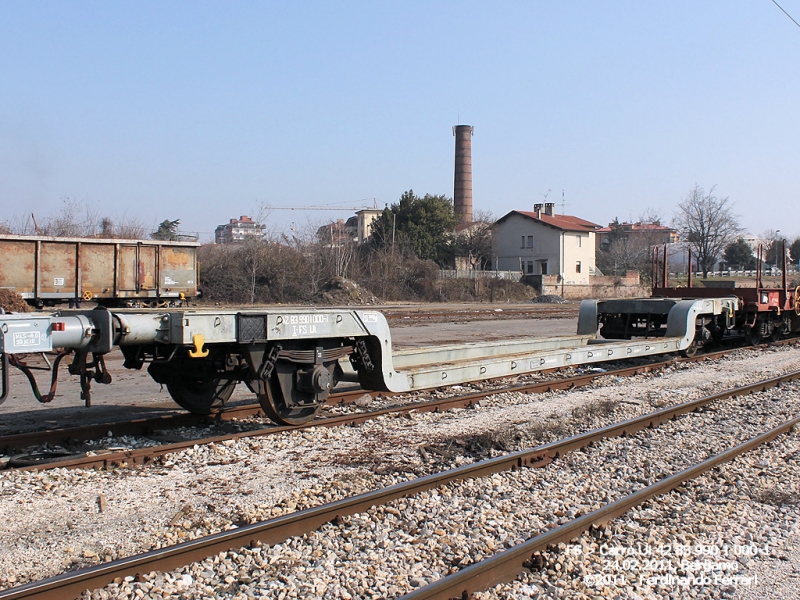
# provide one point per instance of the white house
(544, 243)
(238, 230)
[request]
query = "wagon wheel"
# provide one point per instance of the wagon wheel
(701, 335)
(691, 350)
(199, 395)
(287, 401)
(751, 335)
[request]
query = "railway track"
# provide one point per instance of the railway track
(397, 316)
(502, 566)
(62, 447)
(507, 565)
(104, 458)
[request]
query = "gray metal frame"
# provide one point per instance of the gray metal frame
(250, 333)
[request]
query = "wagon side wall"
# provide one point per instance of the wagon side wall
(51, 270)
(18, 267)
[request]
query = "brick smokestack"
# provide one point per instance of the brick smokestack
(462, 188)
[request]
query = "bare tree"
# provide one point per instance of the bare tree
(380, 270)
(77, 218)
(707, 223)
(21, 225)
(334, 250)
(623, 254)
(289, 272)
(130, 229)
(775, 246)
(628, 246)
(475, 242)
(652, 216)
(254, 254)
(69, 222)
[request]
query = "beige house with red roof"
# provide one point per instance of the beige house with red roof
(544, 243)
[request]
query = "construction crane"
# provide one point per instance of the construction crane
(323, 207)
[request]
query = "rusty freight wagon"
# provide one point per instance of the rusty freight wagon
(47, 271)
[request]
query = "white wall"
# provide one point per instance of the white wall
(365, 219)
(578, 247)
(546, 247)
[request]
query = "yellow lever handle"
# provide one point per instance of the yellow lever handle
(198, 339)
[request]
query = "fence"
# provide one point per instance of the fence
(768, 272)
(475, 274)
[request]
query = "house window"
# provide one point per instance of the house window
(530, 241)
(579, 240)
(578, 267)
(543, 265)
(529, 267)
(522, 244)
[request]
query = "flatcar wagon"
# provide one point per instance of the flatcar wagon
(46, 271)
(291, 358)
(762, 313)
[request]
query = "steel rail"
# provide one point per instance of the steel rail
(277, 530)
(475, 312)
(146, 426)
(507, 565)
(103, 459)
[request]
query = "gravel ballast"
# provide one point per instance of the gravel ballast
(60, 519)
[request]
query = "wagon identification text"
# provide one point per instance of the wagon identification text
(23, 339)
(301, 325)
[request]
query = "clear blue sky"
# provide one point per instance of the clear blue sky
(202, 111)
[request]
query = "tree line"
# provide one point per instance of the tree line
(410, 242)
(77, 219)
(708, 226)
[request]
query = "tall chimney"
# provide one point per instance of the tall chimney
(462, 188)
